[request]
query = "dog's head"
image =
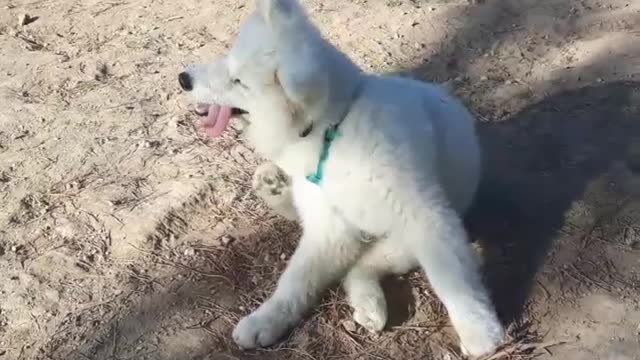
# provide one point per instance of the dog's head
(276, 76)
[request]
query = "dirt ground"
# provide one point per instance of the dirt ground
(126, 234)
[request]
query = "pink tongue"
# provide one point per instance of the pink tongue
(217, 120)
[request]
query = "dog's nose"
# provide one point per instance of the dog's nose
(185, 81)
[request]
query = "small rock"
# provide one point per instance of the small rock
(72, 185)
(349, 325)
(26, 19)
(283, 256)
(189, 252)
(484, 78)
(63, 58)
(226, 240)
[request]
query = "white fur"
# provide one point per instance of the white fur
(404, 168)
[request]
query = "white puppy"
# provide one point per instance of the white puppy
(379, 170)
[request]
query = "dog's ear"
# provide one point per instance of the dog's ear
(278, 12)
(300, 72)
(303, 83)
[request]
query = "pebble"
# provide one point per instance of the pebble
(349, 325)
(71, 185)
(226, 240)
(23, 19)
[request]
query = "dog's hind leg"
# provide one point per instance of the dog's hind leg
(362, 283)
(327, 249)
(434, 233)
(273, 186)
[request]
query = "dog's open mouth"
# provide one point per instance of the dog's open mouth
(216, 118)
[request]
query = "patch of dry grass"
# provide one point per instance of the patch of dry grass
(249, 268)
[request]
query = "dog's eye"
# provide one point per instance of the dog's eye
(238, 82)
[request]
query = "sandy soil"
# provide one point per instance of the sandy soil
(125, 234)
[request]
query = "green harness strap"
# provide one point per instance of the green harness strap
(329, 135)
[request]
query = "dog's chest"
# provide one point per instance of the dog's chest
(346, 196)
(349, 188)
(299, 159)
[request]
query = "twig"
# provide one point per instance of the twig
(546, 292)
(416, 328)
(115, 340)
(178, 17)
(521, 348)
(107, 8)
(587, 235)
(181, 265)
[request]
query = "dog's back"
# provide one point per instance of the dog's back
(436, 130)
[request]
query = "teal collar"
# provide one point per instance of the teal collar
(330, 134)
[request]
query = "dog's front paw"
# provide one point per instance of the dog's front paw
(370, 313)
(483, 340)
(274, 187)
(269, 181)
(260, 329)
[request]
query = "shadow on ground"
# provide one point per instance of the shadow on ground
(538, 159)
(537, 163)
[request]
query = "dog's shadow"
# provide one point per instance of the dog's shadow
(536, 164)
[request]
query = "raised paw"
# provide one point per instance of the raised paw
(274, 187)
(261, 328)
(270, 182)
